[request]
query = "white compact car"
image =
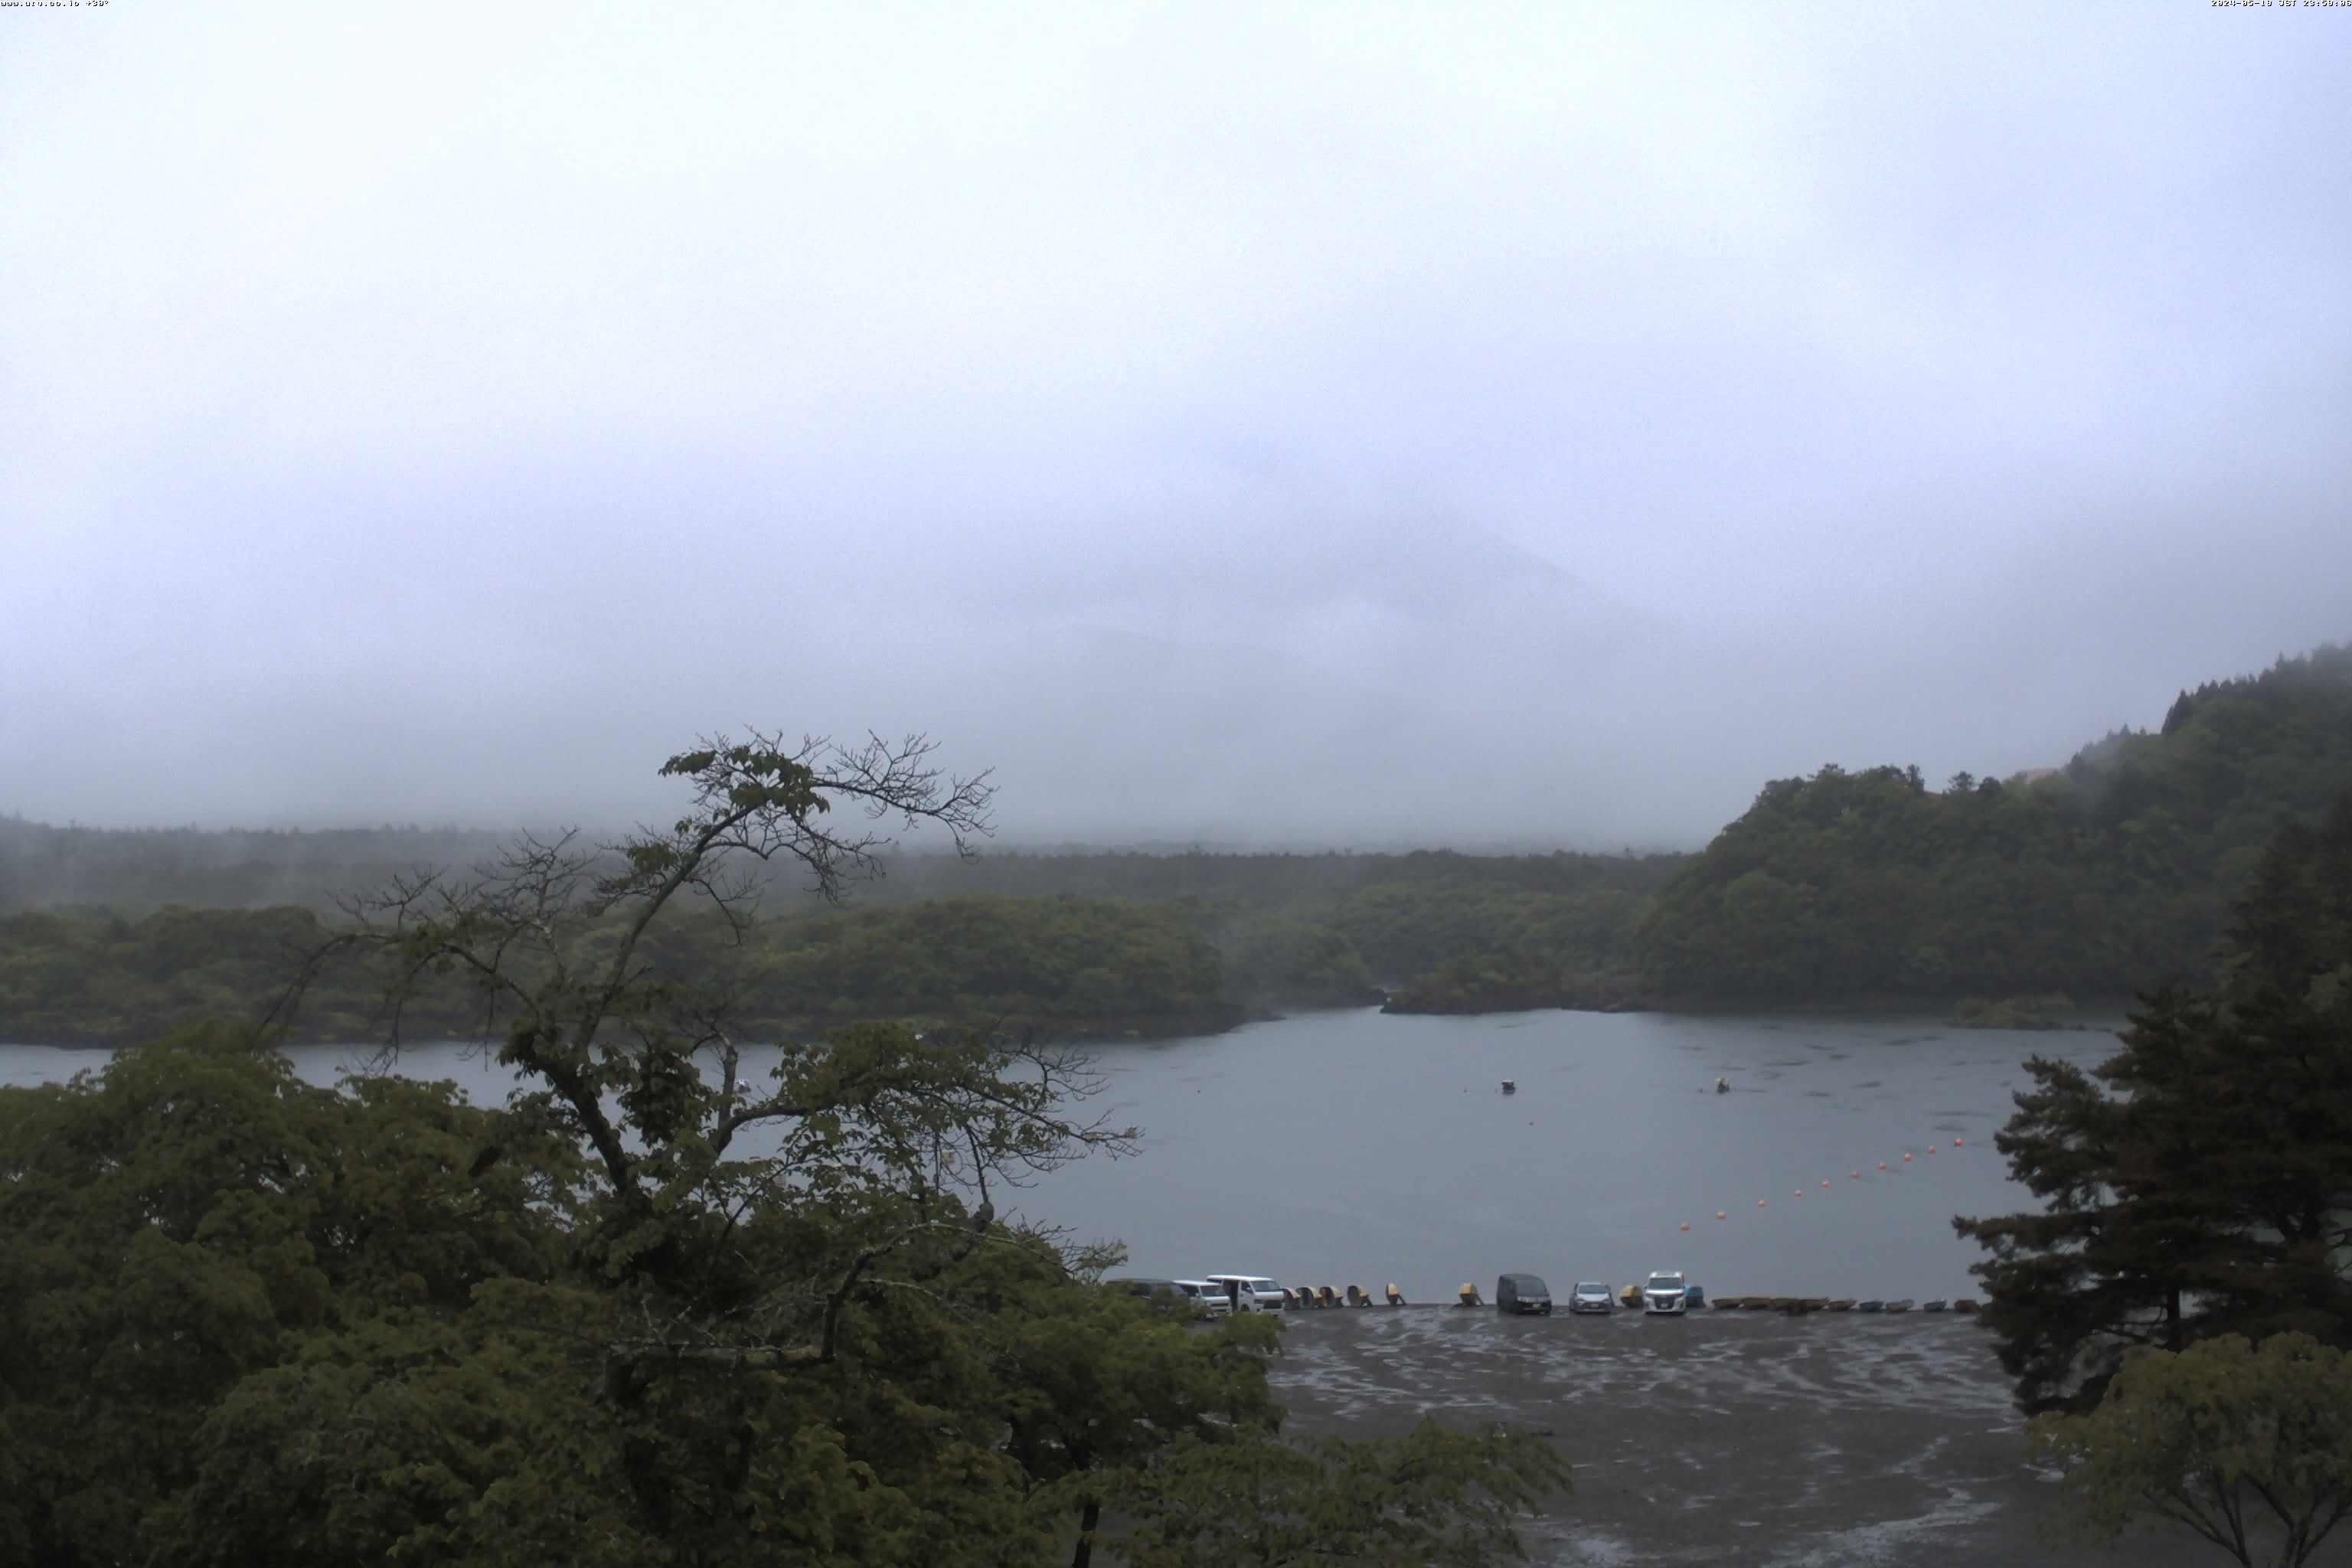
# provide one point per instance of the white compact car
(1256, 1293)
(1665, 1293)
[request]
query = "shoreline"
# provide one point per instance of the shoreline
(2096, 1016)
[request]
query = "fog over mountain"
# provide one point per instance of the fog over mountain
(1332, 426)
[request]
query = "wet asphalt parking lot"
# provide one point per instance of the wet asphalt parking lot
(1745, 1438)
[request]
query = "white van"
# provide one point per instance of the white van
(1256, 1293)
(1665, 1293)
(1205, 1293)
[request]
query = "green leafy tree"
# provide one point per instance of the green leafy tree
(649, 1311)
(1431, 1497)
(727, 1272)
(1097, 1382)
(2250, 1449)
(169, 1228)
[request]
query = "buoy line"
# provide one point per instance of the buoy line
(1854, 1175)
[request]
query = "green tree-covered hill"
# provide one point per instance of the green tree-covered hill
(2097, 880)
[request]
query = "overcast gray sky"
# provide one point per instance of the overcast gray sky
(1306, 424)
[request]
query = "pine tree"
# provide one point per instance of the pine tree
(2198, 1183)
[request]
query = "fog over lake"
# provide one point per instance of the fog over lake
(1360, 1148)
(1322, 424)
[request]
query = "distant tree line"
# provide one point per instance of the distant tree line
(1078, 967)
(1087, 965)
(1997, 898)
(1082, 965)
(136, 870)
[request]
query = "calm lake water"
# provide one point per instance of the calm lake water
(1351, 1147)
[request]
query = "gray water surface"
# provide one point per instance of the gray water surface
(1361, 1148)
(1355, 1147)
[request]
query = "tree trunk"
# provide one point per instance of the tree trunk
(1088, 1517)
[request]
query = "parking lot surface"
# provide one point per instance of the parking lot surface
(1723, 1438)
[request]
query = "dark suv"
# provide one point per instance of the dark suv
(1523, 1293)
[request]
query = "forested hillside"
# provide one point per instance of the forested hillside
(1078, 965)
(1088, 944)
(1098, 963)
(2099, 879)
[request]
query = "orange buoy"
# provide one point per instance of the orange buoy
(1882, 1164)
(1720, 1215)
(1956, 1142)
(1685, 1225)
(1907, 1159)
(1825, 1184)
(1759, 1203)
(1855, 1174)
